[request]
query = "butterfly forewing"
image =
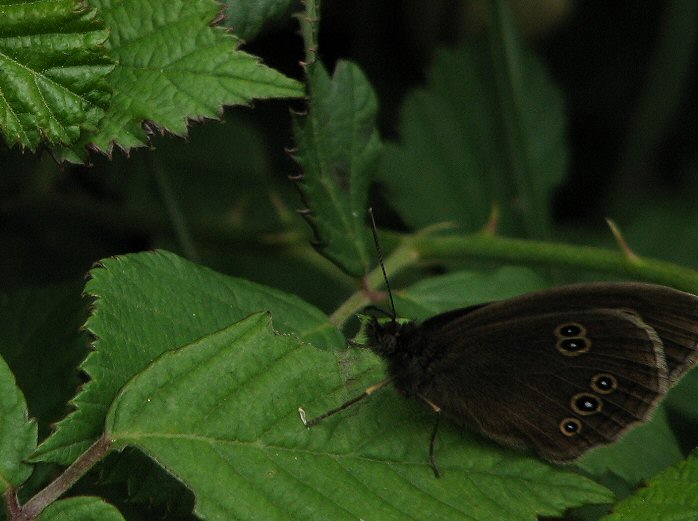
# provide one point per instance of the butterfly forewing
(671, 313)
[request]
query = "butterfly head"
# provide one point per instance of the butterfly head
(382, 335)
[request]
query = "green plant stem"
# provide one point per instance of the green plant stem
(403, 256)
(32, 508)
(309, 28)
(425, 249)
(566, 256)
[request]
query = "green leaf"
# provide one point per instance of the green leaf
(508, 64)
(42, 341)
(338, 147)
(52, 69)
(226, 406)
(247, 18)
(638, 455)
(80, 509)
(173, 66)
(149, 303)
(669, 496)
(451, 163)
(17, 432)
(681, 401)
(459, 289)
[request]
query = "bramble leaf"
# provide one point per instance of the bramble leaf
(670, 496)
(150, 303)
(338, 147)
(17, 432)
(174, 67)
(82, 508)
(451, 163)
(248, 18)
(52, 71)
(226, 406)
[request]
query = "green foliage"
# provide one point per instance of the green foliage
(248, 18)
(452, 162)
(42, 343)
(434, 295)
(671, 495)
(175, 303)
(17, 432)
(172, 389)
(338, 146)
(80, 509)
(52, 85)
(641, 453)
(173, 66)
(179, 411)
(170, 67)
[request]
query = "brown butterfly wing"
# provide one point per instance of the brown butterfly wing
(671, 313)
(560, 383)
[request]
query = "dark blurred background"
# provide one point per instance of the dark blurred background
(230, 179)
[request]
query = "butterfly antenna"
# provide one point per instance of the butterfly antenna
(379, 252)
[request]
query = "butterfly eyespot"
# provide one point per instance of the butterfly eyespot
(585, 404)
(604, 383)
(573, 346)
(570, 427)
(570, 330)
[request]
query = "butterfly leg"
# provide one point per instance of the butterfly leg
(432, 442)
(369, 391)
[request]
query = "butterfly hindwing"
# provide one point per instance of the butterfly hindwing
(559, 382)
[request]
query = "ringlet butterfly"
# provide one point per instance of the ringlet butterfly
(559, 371)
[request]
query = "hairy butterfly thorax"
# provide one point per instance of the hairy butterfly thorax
(403, 347)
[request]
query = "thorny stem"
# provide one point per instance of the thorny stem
(309, 27)
(13, 508)
(32, 508)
